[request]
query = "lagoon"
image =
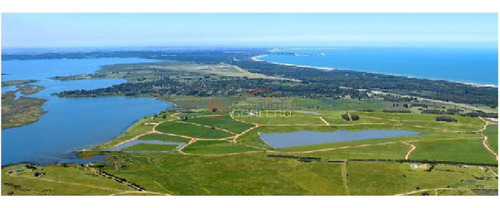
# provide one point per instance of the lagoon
(70, 124)
(300, 138)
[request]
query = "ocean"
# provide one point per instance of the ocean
(468, 65)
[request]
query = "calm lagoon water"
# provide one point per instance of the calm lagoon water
(70, 123)
(472, 65)
(299, 138)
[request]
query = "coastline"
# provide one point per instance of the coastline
(257, 58)
(90, 147)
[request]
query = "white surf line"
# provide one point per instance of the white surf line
(324, 121)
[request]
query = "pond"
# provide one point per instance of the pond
(299, 138)
(134, 142)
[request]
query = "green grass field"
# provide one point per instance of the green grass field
(225, 122)
(389, 151)
(149, 147)
(191, 130)
(253, 174)
(216, 147)
(388, 178)
(492, 133)
(231, 164)
(464, 150)
(336, 105)
(163, 138)
(58, 180)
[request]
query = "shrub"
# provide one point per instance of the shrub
(446, 119)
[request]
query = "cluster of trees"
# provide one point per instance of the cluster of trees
(449, 111)
(39, 174)
(120, 180)
(446, 119)
(233, 86)
(433, 89)
(432, 162)
(396, 111)
(433, 111)
(419, 105)
(298, 158)
(425, 161)
(401, 99)
(30, 166)
(350, 117)
(319, 83)
(480, 114)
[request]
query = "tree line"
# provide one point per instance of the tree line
(321, 83)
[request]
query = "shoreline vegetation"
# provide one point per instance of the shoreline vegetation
(313, 82)
(17, 82)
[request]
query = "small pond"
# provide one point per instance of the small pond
(299, 138)
(134, 142)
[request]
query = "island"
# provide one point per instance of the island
(22, 110)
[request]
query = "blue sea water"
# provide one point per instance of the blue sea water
(471, 65)
(70, 123)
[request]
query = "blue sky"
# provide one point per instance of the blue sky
(254, 30)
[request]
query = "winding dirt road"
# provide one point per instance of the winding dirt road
(485, 138)
(413, 147)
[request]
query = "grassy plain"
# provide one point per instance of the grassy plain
(150, 147)
(492, 133)
(191, 130)
(238, 164)
(163, 138)
(58, 180)
(256, 174)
